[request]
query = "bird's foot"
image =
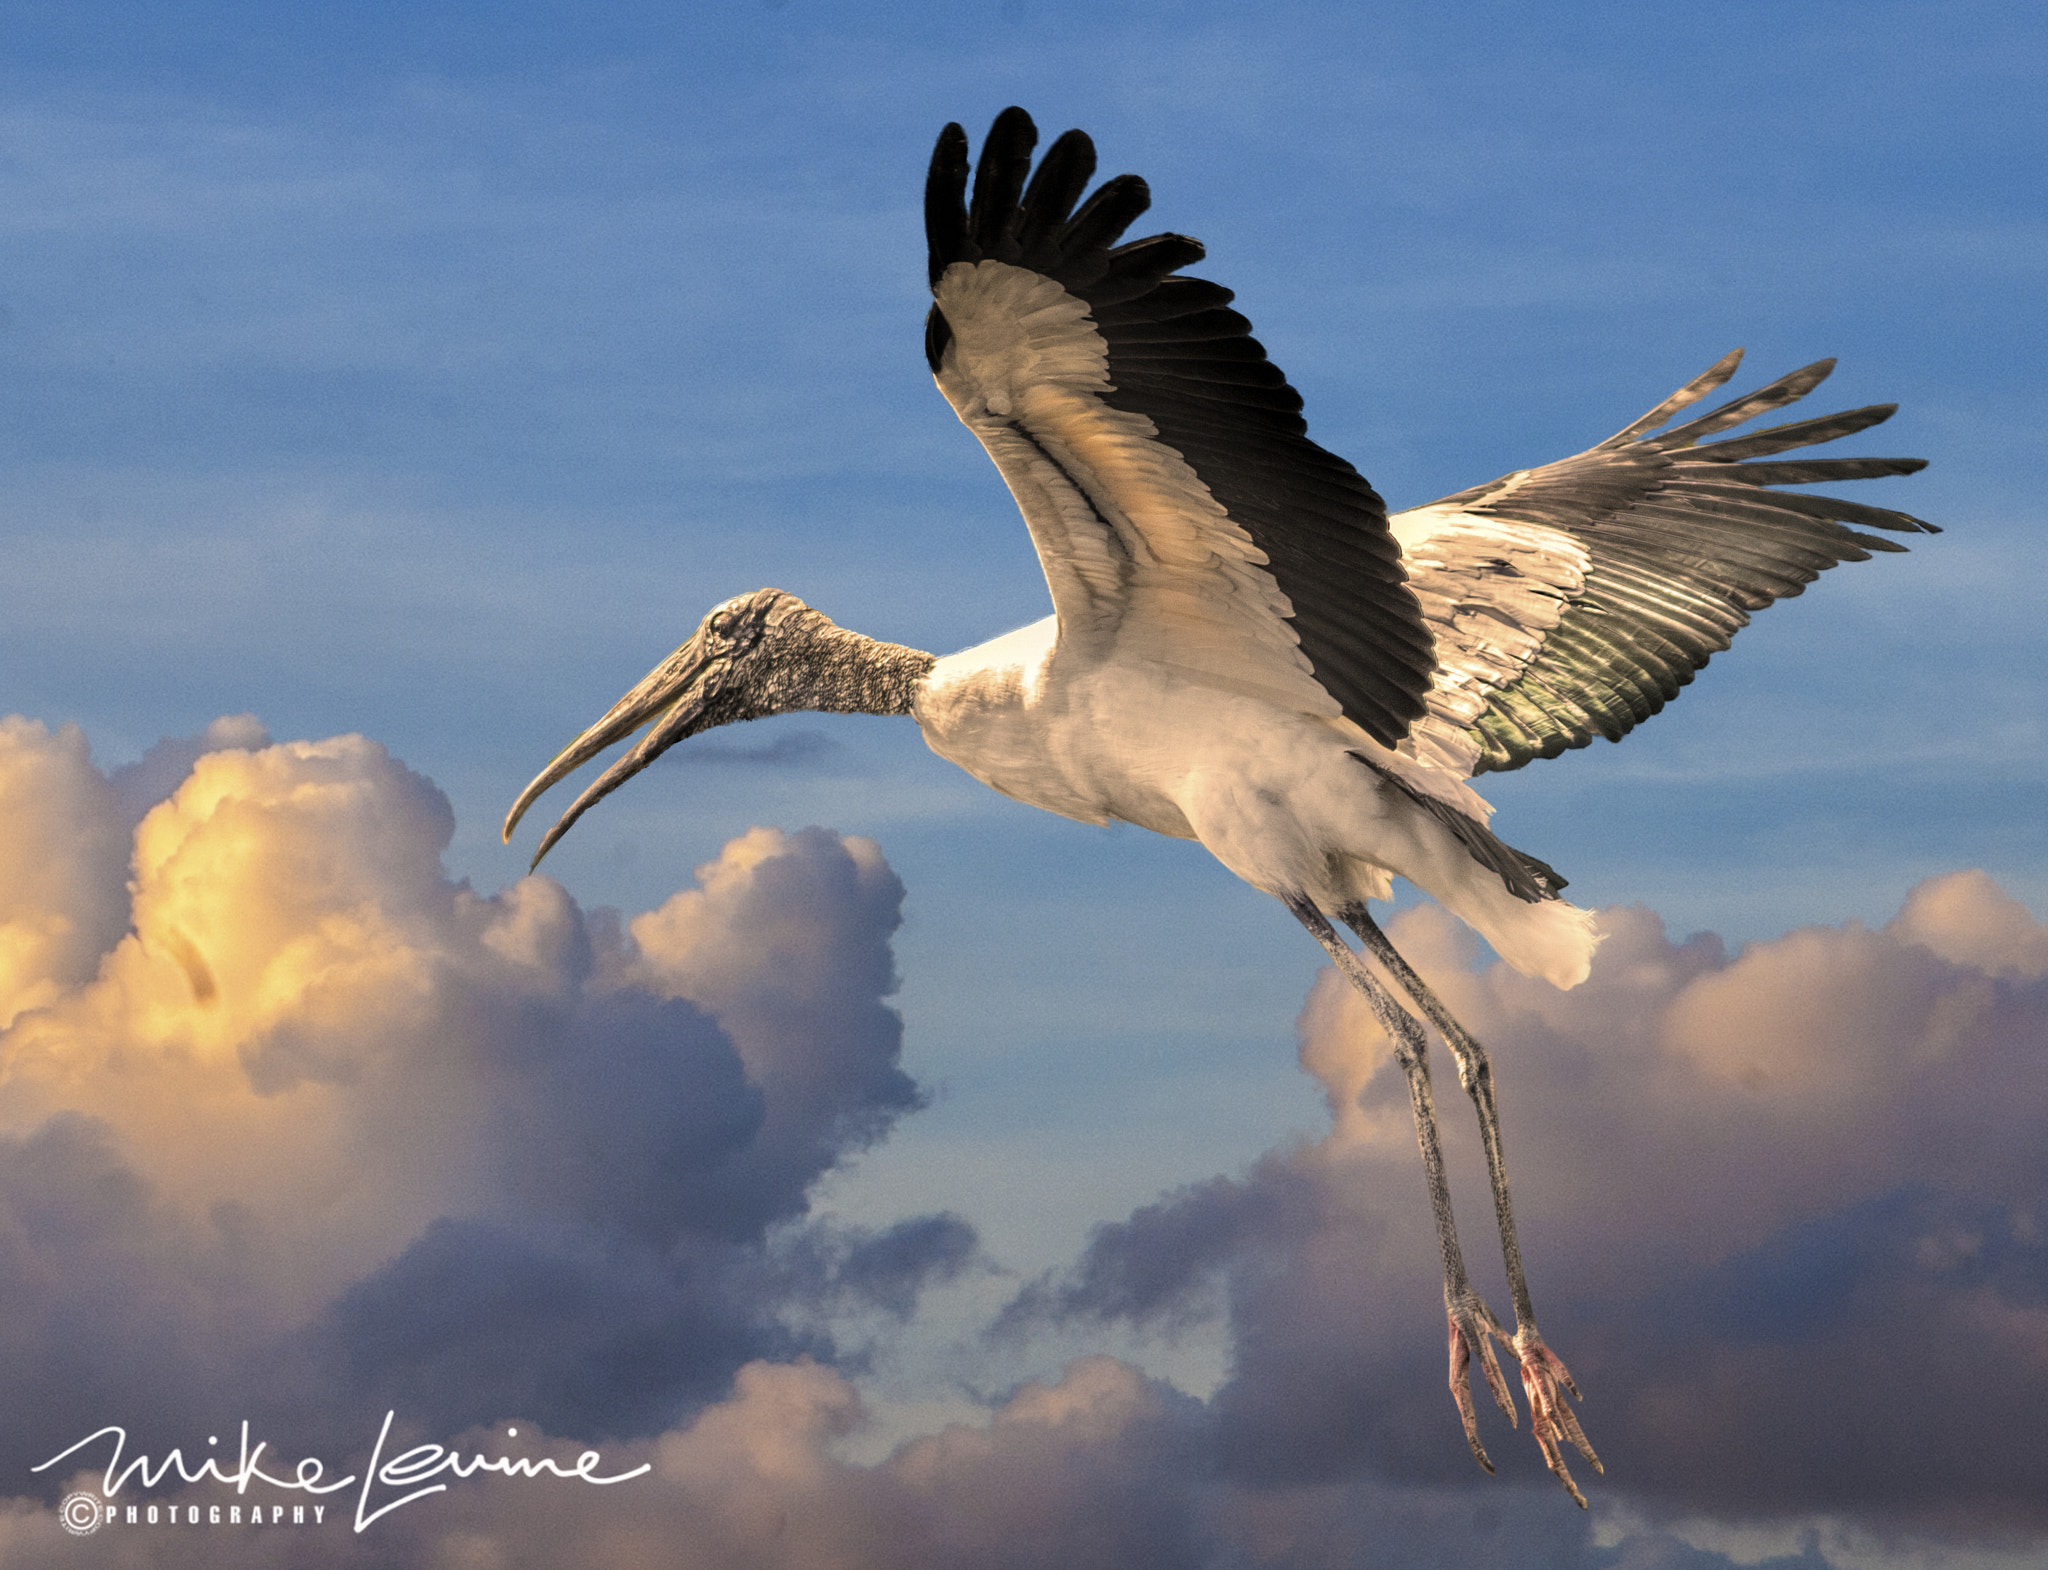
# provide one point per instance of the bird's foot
(1472, 1329)
(1550, 1415)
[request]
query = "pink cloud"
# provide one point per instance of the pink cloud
(1784, 1212)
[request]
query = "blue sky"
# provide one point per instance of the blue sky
(426, 371)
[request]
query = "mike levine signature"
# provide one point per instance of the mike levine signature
(410, 1469)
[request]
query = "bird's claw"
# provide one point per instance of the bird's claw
(1472, 1328)
(1550, 1415)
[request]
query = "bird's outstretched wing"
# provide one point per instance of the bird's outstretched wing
(1574, 600)
(1159, 458)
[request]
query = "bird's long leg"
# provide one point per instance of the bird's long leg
(1470, 1320)
(1550, 1415)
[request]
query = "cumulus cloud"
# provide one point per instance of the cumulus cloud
(1087, 1473)
(1099, 1469)
(61, 864)
(1784, 1210)
(293, 1127)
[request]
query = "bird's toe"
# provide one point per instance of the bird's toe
(1472, 1328)
(1550, 1415)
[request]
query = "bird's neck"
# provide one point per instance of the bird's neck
(834, 671)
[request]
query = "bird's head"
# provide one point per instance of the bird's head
(742, 663)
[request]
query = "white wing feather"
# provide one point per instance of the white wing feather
(1491, 590)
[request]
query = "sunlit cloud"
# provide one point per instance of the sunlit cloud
(295, 1125)
(296, 1130)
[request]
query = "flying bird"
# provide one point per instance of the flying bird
(1246, 650)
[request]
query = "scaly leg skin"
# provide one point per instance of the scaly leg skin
(1471, 1322)
(1550, 1415)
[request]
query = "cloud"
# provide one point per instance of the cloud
(153, 777)
(1784, 1211)
(1085, 1472)
(325, 1132)
(61, 865)
(788, 747)
(785, 942)
(295, 1129)
(1098, 1469)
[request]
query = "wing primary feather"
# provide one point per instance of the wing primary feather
(1826, 507)
(1692, 392)
(1801, 433)
(999, 179)
(945, 201)
(1811, 471)
(1789, 388)
(1153, 257)
(1116, 205)
(1062, 175)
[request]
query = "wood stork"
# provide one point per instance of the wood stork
(1247, 651)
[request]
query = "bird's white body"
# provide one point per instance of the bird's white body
(1169, 690)
(1280, 797)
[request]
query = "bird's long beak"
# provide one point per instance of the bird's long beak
(672, 696)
